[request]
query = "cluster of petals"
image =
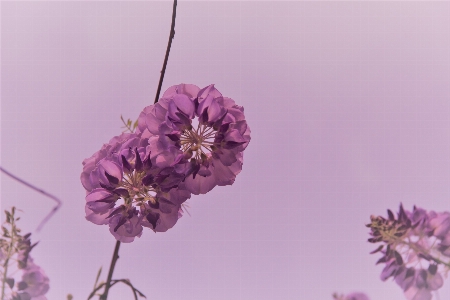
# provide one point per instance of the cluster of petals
(208, 132)
(142, 179)
(34, 283)
(415, 249)
(128, 190)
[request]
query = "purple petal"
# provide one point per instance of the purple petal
(215, 111)
(200, 185)
(184, 104)
(99, 219)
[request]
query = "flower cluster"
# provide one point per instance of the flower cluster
(416, 249)
(30, 282)
(352, 296)
(34, 284)
(189, 142)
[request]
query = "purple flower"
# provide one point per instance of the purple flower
(34, 284)
(415, 242)
(209, 130)
(352, 296)
(356, 296)
(128, 187)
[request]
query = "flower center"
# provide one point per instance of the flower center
(199, 142)
(139, 193)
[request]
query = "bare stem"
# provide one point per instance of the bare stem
(169, 44)
(53, 211)
(111, 270)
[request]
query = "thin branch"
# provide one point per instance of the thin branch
(52, 212)
(169, 44)
(111, 270)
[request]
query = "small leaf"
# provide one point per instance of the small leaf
(98, 276)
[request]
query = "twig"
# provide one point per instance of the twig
(169, 44)
(52, 212)
(111, 270)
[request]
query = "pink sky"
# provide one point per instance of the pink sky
(349, 106)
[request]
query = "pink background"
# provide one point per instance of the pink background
(349, 106)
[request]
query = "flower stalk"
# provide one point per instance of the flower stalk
(10, 247)
(169, 44)
(114, 259)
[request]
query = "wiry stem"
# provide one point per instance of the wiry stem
(111, 270)
(37, 190)
(169, 44)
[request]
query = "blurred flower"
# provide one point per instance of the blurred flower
(127, 189)
(34, 282)
(209, 130)
(352, 296)
(415, 245)
(30, 283)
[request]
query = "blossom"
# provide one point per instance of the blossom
(128, 188)
(209, 130)
(415, 244)
(34, 284)
(352, 296)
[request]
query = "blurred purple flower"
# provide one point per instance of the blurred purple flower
(34, 284)
(352, 296)
(413, 249)
(205, 132)
(127, 188)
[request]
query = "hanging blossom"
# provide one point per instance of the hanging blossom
(127, 188)
(209, 130)
(352, 296)
(416, 249)
(24, 280)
